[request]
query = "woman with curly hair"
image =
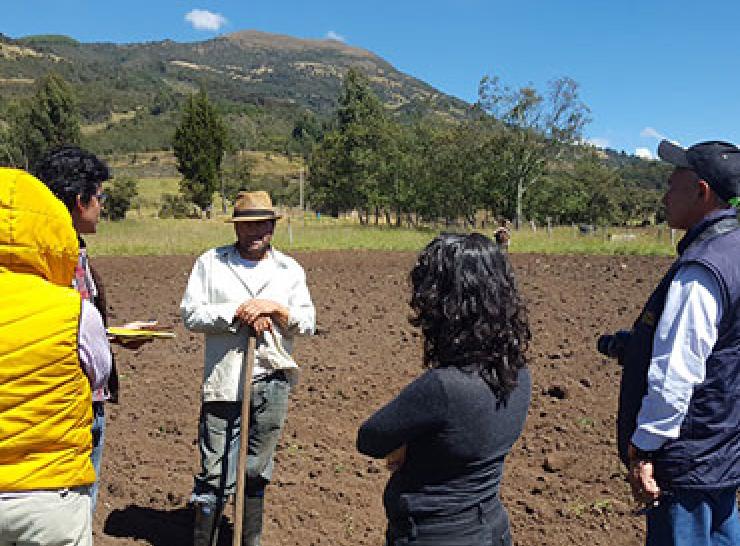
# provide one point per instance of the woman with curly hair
(446, 435)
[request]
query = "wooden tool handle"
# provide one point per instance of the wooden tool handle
(241, 473)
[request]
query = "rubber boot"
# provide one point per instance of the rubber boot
(206, 524)
(253, 507)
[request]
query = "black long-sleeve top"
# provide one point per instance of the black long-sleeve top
(457, 435)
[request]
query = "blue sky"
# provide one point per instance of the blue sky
(647, 69)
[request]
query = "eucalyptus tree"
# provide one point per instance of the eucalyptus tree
(538, 128)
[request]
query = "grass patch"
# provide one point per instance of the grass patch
(585, 423)
(161, 164)
(597, 507)
(115, 117)
(153, 236)
(147, 235)
(273, 163)
(652, 241)
(151, 191)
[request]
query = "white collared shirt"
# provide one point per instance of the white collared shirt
(218, 284)
(684, 338)
(257, 274)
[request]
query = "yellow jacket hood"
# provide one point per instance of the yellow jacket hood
(36, 232)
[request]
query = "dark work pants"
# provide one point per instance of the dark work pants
(483, 525)
(219, 431)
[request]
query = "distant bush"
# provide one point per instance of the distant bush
(174, 206)
(120, 194)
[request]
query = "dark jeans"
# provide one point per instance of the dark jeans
(96, 455)
(218, 441)
(695, 518)
(483, 525)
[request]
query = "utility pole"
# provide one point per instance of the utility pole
(300, 197)
(300, 202)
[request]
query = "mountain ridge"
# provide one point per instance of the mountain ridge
(129, 94)
(307, 72)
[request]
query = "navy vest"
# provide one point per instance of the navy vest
(706, 455)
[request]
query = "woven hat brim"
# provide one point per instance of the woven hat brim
(275, 216)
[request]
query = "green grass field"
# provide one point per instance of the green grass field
(147, 235)
(142, 233)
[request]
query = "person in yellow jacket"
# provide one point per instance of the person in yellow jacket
(53, 352)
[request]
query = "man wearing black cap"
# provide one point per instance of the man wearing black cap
(679, 406)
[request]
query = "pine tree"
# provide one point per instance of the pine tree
(349, 169)
(49, 120)
(199, 145)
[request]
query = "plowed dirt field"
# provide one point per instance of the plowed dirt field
(563, 483)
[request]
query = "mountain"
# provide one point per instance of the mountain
(269, 79)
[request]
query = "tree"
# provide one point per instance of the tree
(48, 120)
(350, 168)
(239, 177)
(199, 144)
(165, 100)
(454, 170)
(327, 187)
(11, 154)
(580, 190)
(120, 194)
(307, 131)
(538, 129)
(173, 206)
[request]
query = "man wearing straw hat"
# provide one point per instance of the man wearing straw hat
(233, 289)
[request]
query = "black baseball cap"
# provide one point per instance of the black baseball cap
(715, 162)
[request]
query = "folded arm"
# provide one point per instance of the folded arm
(418, 410)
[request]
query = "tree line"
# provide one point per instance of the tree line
(518, 154)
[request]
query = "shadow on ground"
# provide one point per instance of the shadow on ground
(159, 527)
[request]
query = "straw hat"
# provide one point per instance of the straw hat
(253, 206)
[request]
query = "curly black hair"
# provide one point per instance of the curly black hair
(70, 171)
(466, 302)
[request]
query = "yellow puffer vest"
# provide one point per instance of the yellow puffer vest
(45, 398)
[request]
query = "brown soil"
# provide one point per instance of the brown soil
(563, 484)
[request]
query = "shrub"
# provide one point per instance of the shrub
(120, 195)
(173, 206)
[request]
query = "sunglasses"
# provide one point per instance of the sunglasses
(102, 197)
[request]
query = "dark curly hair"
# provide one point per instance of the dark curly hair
(70, 171)
(467, 305)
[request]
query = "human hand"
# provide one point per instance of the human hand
(250, 310)
(262, 324)
(641, 477)
(395, 459)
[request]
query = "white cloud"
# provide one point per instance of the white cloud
(331, 35)
(202, 19)
(644, 153)
(649, 132)
(599, 142)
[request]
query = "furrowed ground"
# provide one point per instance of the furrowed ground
(563, 484)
